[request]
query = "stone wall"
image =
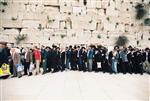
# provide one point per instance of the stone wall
(71, 22)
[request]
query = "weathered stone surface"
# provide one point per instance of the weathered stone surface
(11, 24)
(73, 17)
(30, 23)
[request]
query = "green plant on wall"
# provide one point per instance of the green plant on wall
(20, 37)
(3, 2)
(137, 42)
(50, 20)
(40, 27)
(107, 37)
(140, 11)
(99, 36)
(121, 41)
(147, 22)
(62, 36)
(2, 10)
(13, 18)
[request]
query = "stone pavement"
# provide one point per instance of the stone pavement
(74, 85)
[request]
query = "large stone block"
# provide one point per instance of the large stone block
(105, 3)
(31, 16)
(65, 9)
(54, 24)
(98, 4)
(11, 24)
(20, 1)
(30, 24)
(109, 26)
(77, 10)
(10, 32)
(91, 12)
(50, 2)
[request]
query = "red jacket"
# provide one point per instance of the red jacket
(37, 55)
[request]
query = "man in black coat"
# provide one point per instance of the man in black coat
(54, 59)
(131, 60)
(49, 59)
(58, 59)
(73, 59)
(3, 53)
(97, 59)
(64, 58)
(84, 58)
(68, 57)
(138, 62)
(79, 60)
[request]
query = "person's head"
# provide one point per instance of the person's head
(83, 48)
(58, 49)
(3, 44)
(47, 49)
(130, 47)
(12, 50)
(147, 49)
(35, 48)
(78, 48)
(70, 47)
(42, 47)
(66, 48)
(75, 47)
(116, 48)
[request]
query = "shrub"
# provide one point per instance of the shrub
(107, 37)
(140, 11)
(121, 41)
(62, 36)
(40, 27)
(147, 21)
(4, 3)
(20, 37)
(98, 36)
(13, 18)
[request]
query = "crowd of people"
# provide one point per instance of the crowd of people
(78, 58)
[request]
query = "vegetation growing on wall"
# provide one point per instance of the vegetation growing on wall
(40, 27)
(99, 36)
(13, 18)
(121, 41)
(147, 22)
(142, 12)
(3, 2)
(20, 37)
(62, 36)
(50, 20)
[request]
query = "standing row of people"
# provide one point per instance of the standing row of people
(92, 58)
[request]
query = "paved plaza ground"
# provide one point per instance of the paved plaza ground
(74, 85)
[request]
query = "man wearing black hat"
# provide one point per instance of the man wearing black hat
(3, 53)
(54, 59)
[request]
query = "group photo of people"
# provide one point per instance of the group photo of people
(34, 60)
